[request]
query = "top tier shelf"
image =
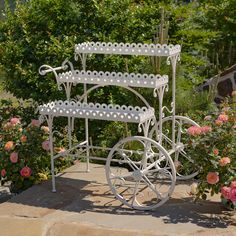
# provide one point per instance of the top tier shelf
(128, 49)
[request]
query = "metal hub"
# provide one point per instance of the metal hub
(137, 175)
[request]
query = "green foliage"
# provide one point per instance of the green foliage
(45, 32)
(23, 158)
(213, 149)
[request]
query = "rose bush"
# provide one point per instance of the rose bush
(24, 150)
(213, 148)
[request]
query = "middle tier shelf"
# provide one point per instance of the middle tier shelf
(113, 78)
(98, 111)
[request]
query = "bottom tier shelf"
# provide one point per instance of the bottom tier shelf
(97, 111)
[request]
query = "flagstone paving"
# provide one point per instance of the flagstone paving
(84, 205)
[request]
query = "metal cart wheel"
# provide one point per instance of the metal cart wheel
(140, 173)
(186, 168)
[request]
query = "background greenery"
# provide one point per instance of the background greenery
(39, 32)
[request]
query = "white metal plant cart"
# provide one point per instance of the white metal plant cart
(141, 170)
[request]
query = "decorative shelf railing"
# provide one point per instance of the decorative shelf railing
(97, 111)
(127, 49)
(113, 78)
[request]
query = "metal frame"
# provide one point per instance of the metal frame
(143, 116)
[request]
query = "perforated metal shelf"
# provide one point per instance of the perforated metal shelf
(113, 78)
(127, 48)
(97, 111)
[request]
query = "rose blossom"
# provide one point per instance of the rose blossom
(26, 172)
(23, 138)
(212, 178)
(232, 194)
(15, 121)
(205, 129)
(46, 145)
(59, 149)
(233, 184)
(218, 122)
(35, 123)
(14, 157)
(45, 129)
(8, 126)
(194, 130)
(222, 117)
(3, 172)
(9, 145)
(225, 191)
(224, 161)
(216, 151)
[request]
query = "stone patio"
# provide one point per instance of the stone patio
(84, 205)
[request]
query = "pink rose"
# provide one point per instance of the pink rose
(14, 157)
(216, 152)
(26, 172)
(194, 130)
(218, 122)
(46, 145)
(8, 126)
(205, 129)
(224, 161)
(225, 192)
(15, 121)
(232, 194)
(35, 123)
(45, 129)
(59, 149)
(222, 117)
(212, 178)
(9, 146)
(3, 172)
(23, 138)
(233, 184)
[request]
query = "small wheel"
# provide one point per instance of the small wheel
(140, 173)
(186, 168)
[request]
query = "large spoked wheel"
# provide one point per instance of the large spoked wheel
(140, 173)
(186, 168)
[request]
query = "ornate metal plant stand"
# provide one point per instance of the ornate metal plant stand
(140, 170)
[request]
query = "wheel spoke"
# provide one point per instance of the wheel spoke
(122, 177)
(143, 184)
(131, 164)
(151, 186)
(135, 192)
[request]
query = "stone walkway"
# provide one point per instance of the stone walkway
(83, 205)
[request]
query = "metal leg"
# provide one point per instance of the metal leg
(50, 121)
(87, 145)
(53, 175)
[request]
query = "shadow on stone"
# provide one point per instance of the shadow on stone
(80, 196)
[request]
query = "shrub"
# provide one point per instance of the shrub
(213, 149)
(44, 32)
(24, 156)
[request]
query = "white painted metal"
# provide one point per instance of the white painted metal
(127, 49)
(138, 185)
(113, 78)
(154, 169)
(97, 111)
(180, 153)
